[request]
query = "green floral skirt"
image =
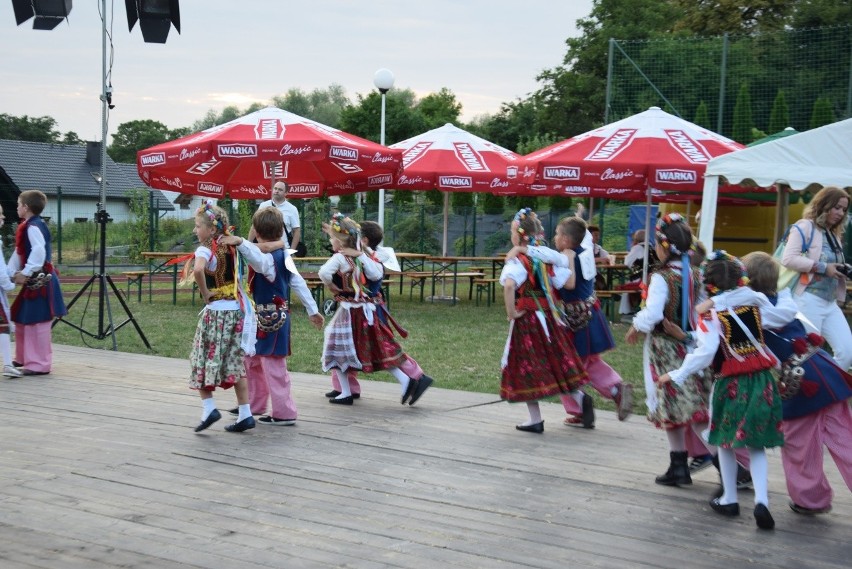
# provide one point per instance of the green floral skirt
(216, 359)
(746, 412)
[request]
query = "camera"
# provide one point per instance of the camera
(844, 269)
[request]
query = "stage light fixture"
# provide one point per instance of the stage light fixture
(155, 18)
(47, 13)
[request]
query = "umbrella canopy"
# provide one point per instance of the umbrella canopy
(453, 160)
(450, 159)
(242, 157)
(652, 149)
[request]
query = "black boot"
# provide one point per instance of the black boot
(678, 472)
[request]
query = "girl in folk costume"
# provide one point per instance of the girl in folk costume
(745, 403)
(216, 359)
(538, 360)
(273, 275)
(40, 299)
(371, 237)
(6, 285)
(815, 395)
(671, 295)
(356, 338)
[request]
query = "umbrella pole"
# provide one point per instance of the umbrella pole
(446, 220)
(647, 233)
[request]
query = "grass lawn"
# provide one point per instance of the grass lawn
(460, 346)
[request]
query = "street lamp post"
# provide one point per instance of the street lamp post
(383, 80)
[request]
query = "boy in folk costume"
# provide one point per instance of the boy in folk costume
(371, 237)
(40, 299)
(539, 360)
(356, 338)
(671, 295)
(815, 394)
(745, 402)
(272, 278)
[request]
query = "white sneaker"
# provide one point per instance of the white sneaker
(12, 371)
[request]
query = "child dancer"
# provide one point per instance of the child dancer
(356, 339)
(6, 284)
(216, 359)
(745, 403)
(671, 294)
(271, 281)
(539, 360)
(40, 299)
(591, 333)
(815, 394)
(371, 237)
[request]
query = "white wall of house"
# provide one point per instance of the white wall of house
(78, 208)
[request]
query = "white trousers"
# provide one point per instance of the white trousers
(830, 323)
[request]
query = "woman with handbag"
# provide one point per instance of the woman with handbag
(814, 250)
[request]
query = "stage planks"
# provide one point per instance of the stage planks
(100, 468)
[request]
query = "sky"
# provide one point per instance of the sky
(237, 52)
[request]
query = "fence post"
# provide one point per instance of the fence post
(422, 226)
(723, 71)
(59, 224)
(608, 94)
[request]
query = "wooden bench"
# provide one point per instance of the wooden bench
(488, 286)
(317, 288)
(419, 278)
(135, 278)
(609, 302)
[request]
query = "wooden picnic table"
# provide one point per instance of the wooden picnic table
(157, 263)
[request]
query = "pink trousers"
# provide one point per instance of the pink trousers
(269, 385)
(33, 348)
(802, 457)
(410, 368)
(603, 378)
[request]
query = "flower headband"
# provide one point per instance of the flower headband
(663, 240)
(337, 225)
(522, 214)
(722, 255)
(207, 210)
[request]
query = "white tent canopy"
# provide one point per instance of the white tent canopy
(820, 156)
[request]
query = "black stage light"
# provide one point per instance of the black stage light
(48, 13)
(155, 17)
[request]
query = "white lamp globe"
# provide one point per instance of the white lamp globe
(383, 80)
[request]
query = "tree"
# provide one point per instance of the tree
(133, 136)
(402, 120)
(716, 17)
(702, 116)
(30, 129)
(322, 105)
(71, 138)
(741, 131)
(462, 202)
(493, 204)
(779, 117)
(822, 114)
(439, 108)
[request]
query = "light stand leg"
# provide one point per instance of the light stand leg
(105, 327)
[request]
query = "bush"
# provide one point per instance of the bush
(412, 236)
(498, 242)
(493, 204)
(346, 203)
(461, 202)
(403, 197)
(463, 246)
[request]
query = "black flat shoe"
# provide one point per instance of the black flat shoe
(234, 411)
(730, 510)
(409, 391)
(763, 517)
(342, 400)
(534, 428)
(211, 418)
(588, 412)
(240, 426)
(422, 385)
(335, 393)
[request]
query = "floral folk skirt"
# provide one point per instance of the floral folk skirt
(216, 359)
(746, 412)
(538, 366)
(677, 405)
(357, 339)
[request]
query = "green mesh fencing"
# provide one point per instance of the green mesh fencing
(739, 86)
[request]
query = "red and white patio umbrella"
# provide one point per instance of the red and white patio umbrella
(450, 159)
(650, 150)
(240, 159)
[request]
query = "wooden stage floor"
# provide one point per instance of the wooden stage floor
(100, 468)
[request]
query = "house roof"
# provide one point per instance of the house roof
(44, 166)
(161, 202)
